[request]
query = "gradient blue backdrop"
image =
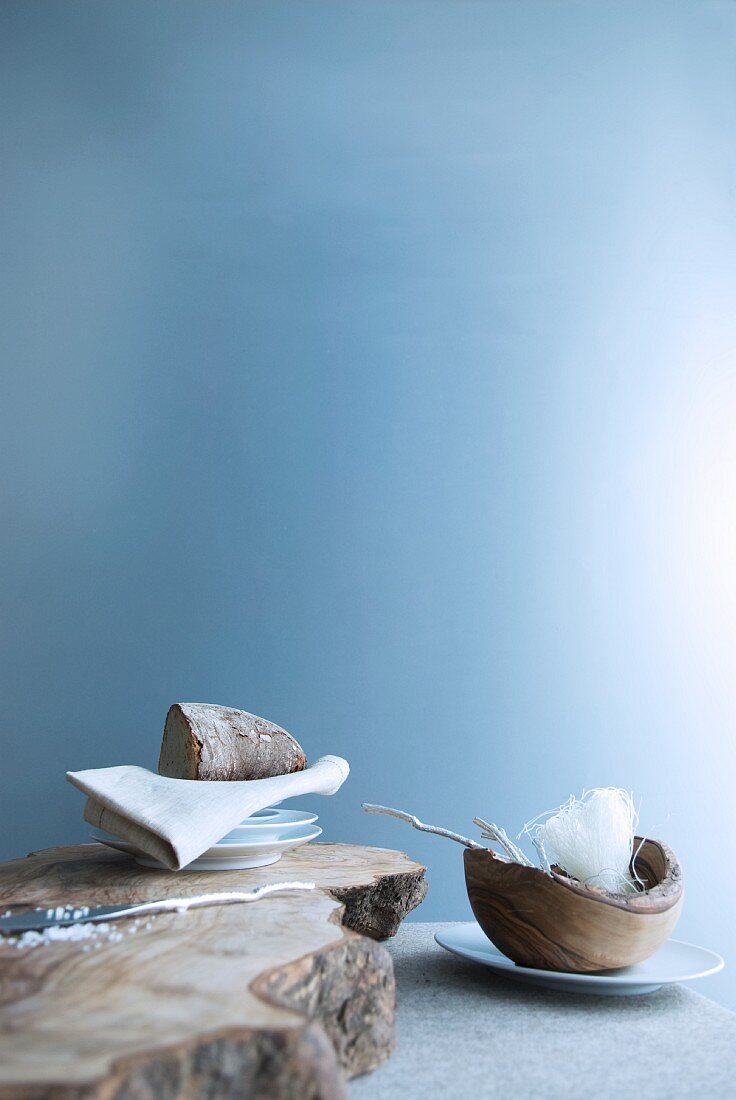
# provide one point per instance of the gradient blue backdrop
(371, 367)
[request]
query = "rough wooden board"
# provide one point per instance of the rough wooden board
(234, 1001)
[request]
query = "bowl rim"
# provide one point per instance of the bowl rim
(659, 899)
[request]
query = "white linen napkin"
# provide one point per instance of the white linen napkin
(175, 820)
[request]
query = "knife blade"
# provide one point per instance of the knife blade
(35, 920)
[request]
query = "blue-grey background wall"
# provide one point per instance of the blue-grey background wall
(371, 367)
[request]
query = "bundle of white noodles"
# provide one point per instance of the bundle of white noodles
(591, 839)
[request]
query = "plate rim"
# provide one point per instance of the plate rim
(308, 819)
(223, 853)
(609, 977)
(315, 830)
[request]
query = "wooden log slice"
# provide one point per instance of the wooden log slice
(275, 999)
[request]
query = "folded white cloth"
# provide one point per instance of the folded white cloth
(175, 820)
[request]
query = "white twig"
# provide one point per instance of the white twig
(417, 824)
(494, 832)
(542, 853)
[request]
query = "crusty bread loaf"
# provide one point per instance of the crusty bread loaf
(205, 741)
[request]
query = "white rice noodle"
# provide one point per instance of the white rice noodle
(592, 838)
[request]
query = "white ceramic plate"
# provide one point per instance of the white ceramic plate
(674, 962)
(271, 824)
(225, 855)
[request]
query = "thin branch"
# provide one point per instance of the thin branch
(542, 853)
(417, 824)
(494, 832)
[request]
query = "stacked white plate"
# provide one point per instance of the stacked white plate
(258, 841)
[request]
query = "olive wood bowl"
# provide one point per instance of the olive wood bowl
(552, 922)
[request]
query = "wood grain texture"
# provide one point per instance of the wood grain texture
(276, 999)
(207, 741)
(556, 923)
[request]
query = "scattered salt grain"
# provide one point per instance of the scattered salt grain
(66, 933)
(58, 934)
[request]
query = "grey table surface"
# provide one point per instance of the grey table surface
(463, 1031)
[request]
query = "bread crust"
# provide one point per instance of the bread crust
(207, 741)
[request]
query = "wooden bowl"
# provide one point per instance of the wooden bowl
(557, 923)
